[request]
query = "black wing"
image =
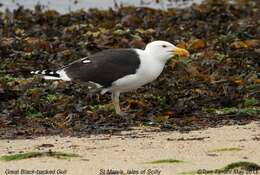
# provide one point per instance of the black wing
(104, 67)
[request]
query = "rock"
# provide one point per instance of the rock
(245, 44)
(197, 44)
(137, 44)
(7, 41)
(131, 20)
(37, 43)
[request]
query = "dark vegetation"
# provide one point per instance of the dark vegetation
(165, 161)
(218, 85)
(20, 156)
(232, 168)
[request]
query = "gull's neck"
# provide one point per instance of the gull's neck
(155, 56)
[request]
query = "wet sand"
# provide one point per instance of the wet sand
(66, 6)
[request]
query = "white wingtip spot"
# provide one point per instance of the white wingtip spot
(51, 78)
(44, 72)
(86, 61)
(32, 72)
(51, 73)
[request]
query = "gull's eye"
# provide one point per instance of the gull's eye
(164, 46)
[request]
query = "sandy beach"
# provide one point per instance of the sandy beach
(132, 151)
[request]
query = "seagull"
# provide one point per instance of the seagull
(118, 70)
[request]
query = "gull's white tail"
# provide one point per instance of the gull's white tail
(52, 75)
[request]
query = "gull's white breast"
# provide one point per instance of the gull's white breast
(149, 70)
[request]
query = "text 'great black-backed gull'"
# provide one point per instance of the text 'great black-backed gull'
(119, 70)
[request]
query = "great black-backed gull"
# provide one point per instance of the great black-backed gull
(118, 70)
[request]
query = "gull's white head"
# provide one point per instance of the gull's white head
(163, 50)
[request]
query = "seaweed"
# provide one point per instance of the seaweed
(218, 85)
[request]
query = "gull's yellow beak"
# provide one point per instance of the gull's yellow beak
(181, 52)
